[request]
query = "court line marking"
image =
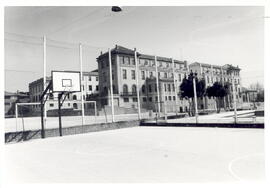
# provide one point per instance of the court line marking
(237, 159)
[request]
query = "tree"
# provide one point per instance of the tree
(187, 91)
(260, 96)
(218, 91)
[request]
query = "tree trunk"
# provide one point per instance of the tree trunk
(217, 104)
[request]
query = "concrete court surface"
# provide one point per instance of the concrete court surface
(140, 155)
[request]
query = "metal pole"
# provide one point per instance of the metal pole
(81, 71)
(234, 102)
(157, 82)
(59, 113)
(16, 115)
(42, 119)
(44, 72)
(175, 92)
(137, 84)
(195, 99)
(111, 84)
(165, 107)
(95, 111)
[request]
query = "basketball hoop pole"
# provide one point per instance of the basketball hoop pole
(44, 71)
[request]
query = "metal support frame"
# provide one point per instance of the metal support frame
(42, 104)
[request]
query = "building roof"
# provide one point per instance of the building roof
(123, 50)
(21, 94)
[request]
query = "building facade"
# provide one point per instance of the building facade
(223, 74)
(169, 73)
(11, 99)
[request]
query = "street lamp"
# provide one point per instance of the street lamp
(116, 9)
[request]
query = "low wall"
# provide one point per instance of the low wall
(36, 134)
(220, 125)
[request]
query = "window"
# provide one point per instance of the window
(149, 88)
(90, 88)
(143, 89)
(126, 99)
(96, 88)
(165, 75)
(169, 87)
(104, 76)
(126, 59)
(102, 64)
(165, 87)
(143, 75)
(74, 97)
(121, 59)
(153, 63)
(170, 98)
(171, 75)
(144, 99)
(158, 74)
(132, 61)
(145, 62)
(174, 98)
(150, 99)
(68, 104)
(155, 87)
(51, 105)
(156, 98)
(83, 88)
(134, 89)
(124, 74)
(125, 88)
(166, 98)
(173, 88)
(75, 106)
(112, 75)
(89, 78)
(151, 74)
(134, 99)
(133, 74)
(96, 78)
(179, 77)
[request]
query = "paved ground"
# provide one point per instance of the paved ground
(140, 154)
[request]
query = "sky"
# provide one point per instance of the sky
(214, 35)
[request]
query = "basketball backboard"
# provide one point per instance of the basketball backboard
(66, 81)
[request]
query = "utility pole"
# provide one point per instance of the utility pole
(195, 98)
(175, 89)
(81, 70)
(157, 83)
(111, 84)
(44, 72)
(137, 84)
(234, 101)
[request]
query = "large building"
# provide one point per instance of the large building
(170, 75)
(223, 74)
(90, 88)
(124, 80)
(11, 99)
